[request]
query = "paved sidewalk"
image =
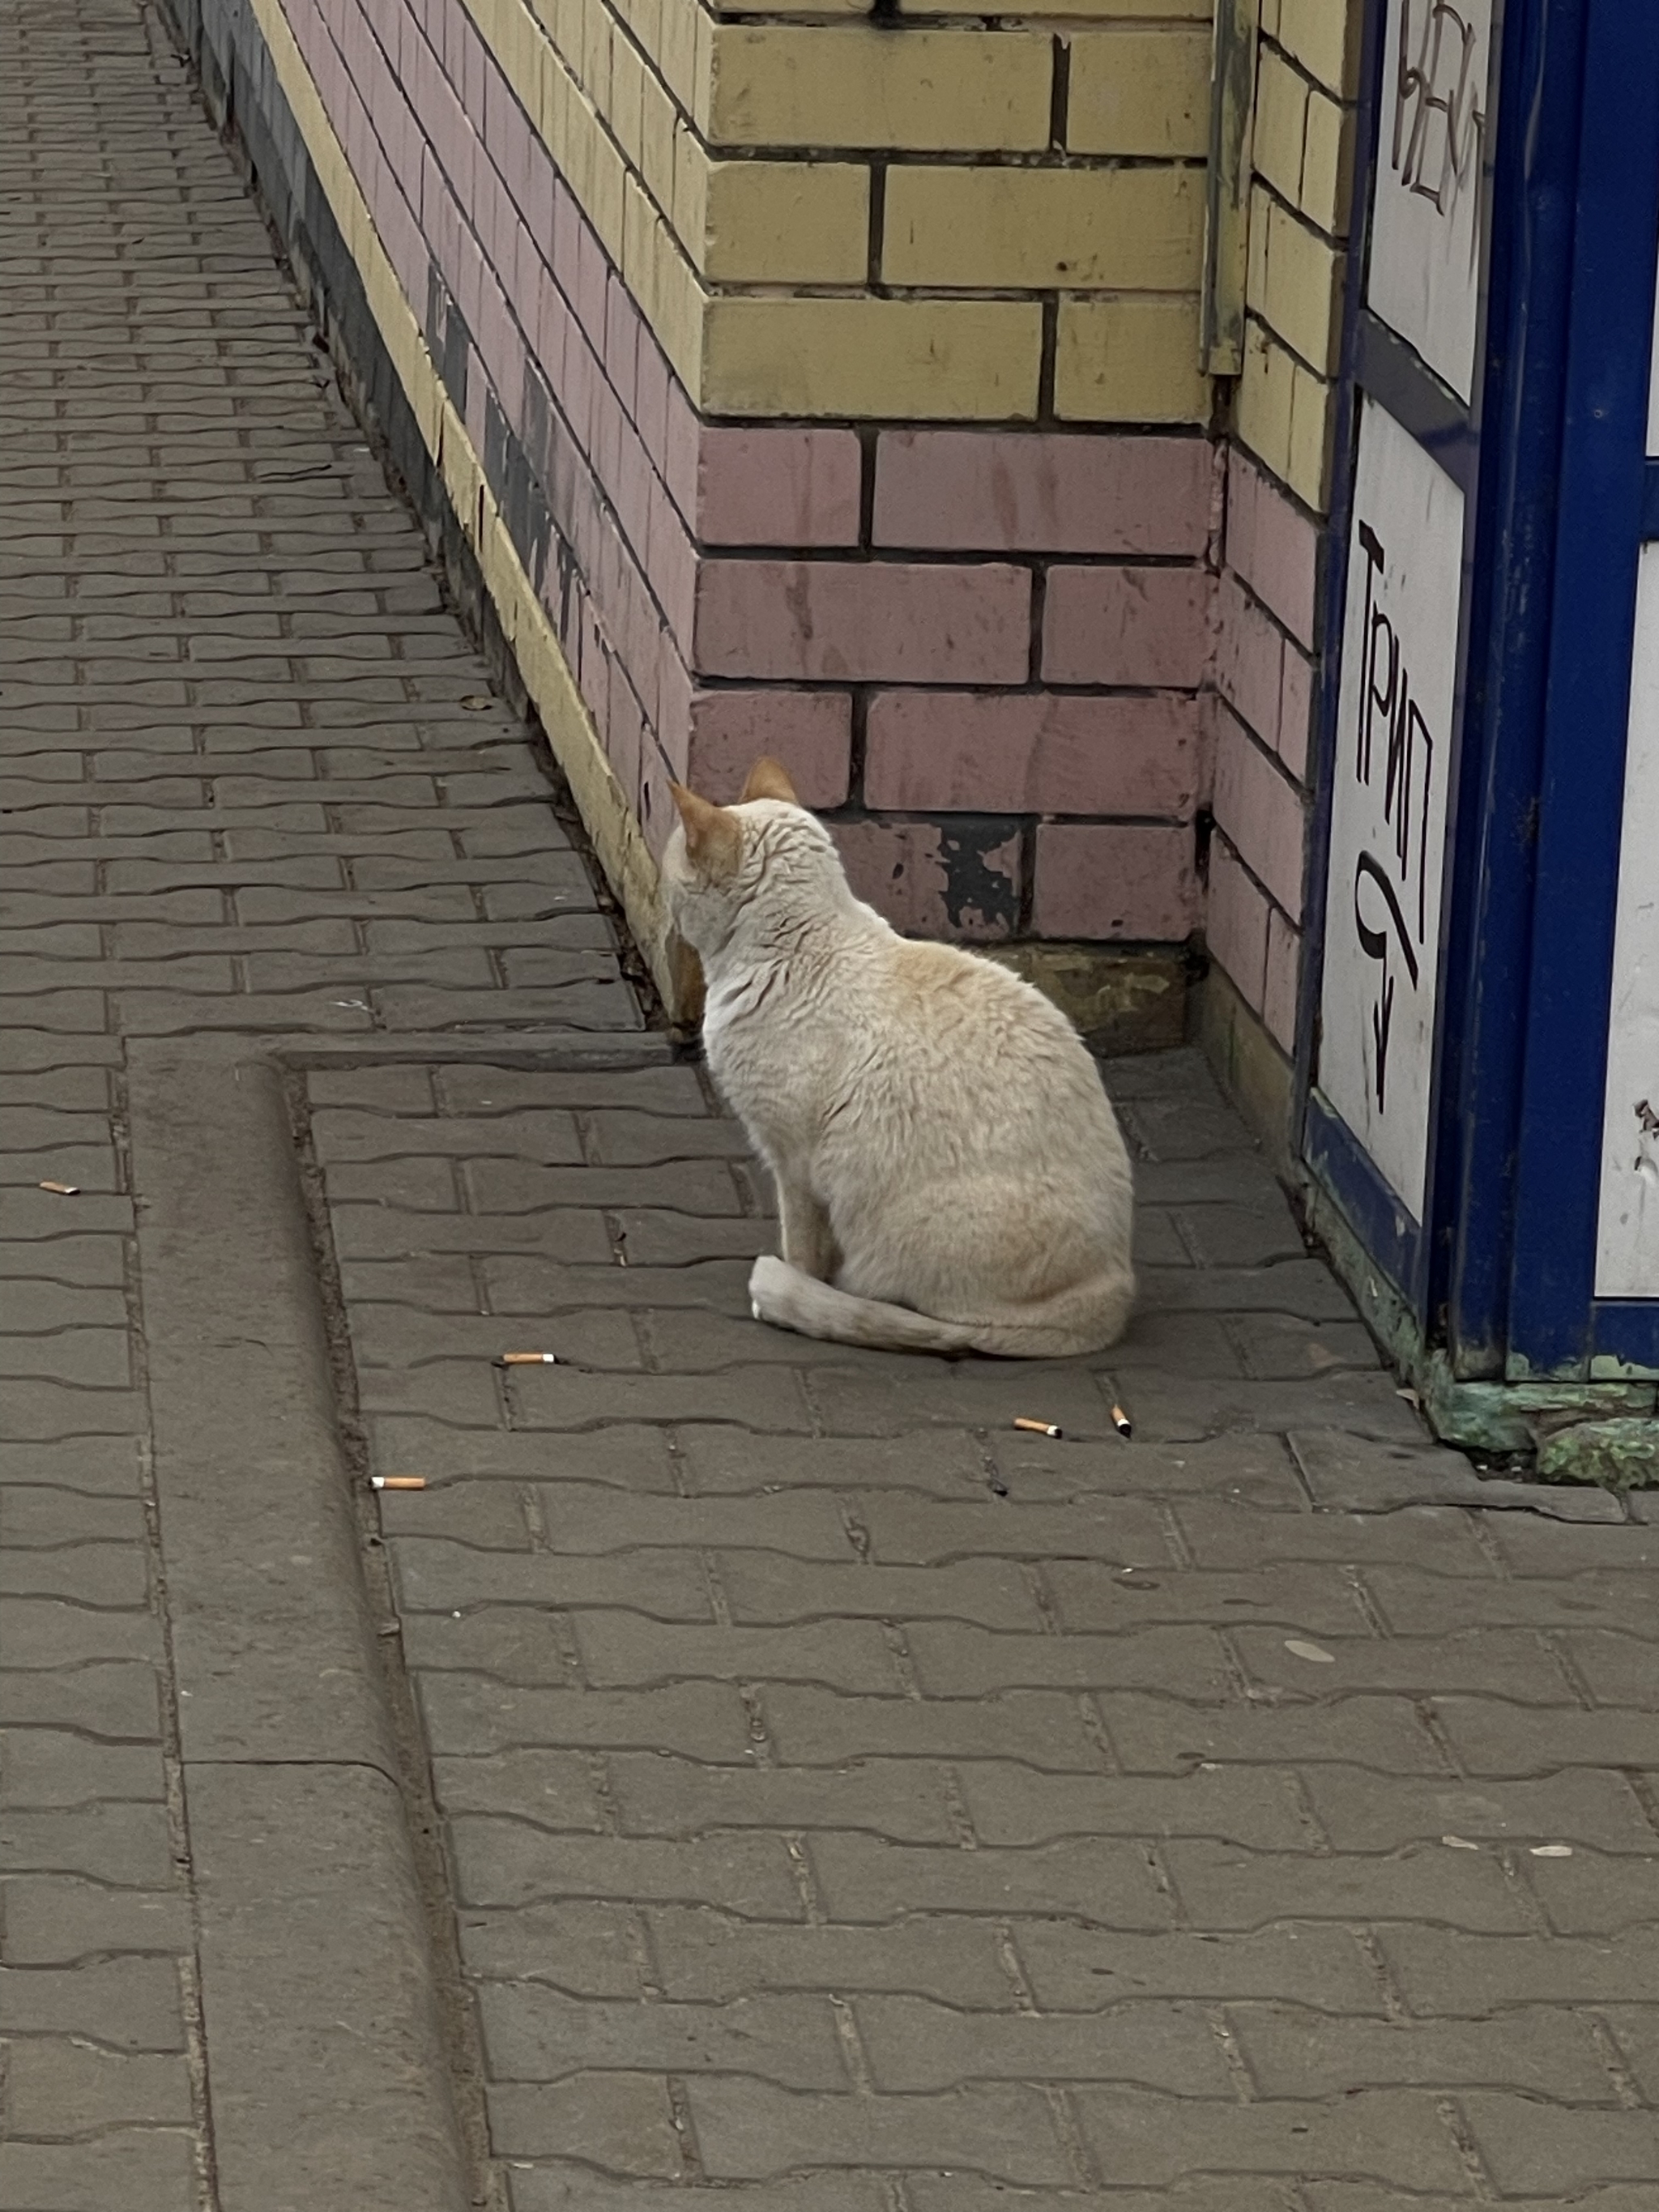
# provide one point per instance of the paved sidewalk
(851, 1805)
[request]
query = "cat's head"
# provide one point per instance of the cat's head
(760, 859)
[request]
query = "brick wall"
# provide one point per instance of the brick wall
(1278, 494)
(837, 383)
(835, 387)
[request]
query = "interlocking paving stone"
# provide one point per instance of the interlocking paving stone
(851, 1802)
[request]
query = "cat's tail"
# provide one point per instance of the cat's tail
(785, 1297)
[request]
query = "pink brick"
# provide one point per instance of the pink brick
(1114, 880)
(1123, 625)
(1260, 811)
(832, 621)
(657, 814)
(1250, 658)
(902, 869)
(810, 732)
(651, 397)
(1280, 982)
(1274, 546)
(1028, 753)
(624, 734)
(1018, 491)
(783, 487)
(1296, 712)
(1236, 922)
(681, 444)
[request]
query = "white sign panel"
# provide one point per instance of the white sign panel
(1627, 1231)
(1389, 800)
(1424, 278)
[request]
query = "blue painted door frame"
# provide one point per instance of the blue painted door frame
(1549, 456)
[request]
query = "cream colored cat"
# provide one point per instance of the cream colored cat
(949, 1174)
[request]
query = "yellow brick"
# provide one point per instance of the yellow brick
(691, 166)
(1324, 35)
(658, 118)
(1295, 280)
(1327, 165)
(627, 99)
(1130, 360)
(786, 222)
(945, 359)
(1279, 132)
(677, 57)
(1082, 230)
(680, 307)
(1145, 11)
(1266, 391)
(1269, 21)
(1312, 415)
(1140, 92)
(834, 85)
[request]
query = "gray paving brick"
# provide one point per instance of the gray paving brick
(511, 1643)
(433, 1575)
(958, 1662)
(1092, 1595)
(62, 2087)
(1042, 1727)
(472, 1713)
(907, 1799)
(561, 2188)
(1489, 1735)
(767, 1586)
(724, 1458)
(1299, 1962)
(914, 2045)
(131, 2004)
(1363, 1811)
(1106, 1881)
(1527, 2144)
(1544, 2051)
(57, 1766)
(556, 1789)
(589, 1949)
(60, 1919)
(502, 1862)
(112, 1697)
(625, 1648)
(1395, 2134)
(1254, 1806)
(539, 2034)
(140, 2169)
(1594, 1895)
(622, 2121)
(703, 1954)
(1152, 1733)
(1223, 1887)
(748, 2130)
(35, 1515)
(118, 1842)
(1500, 1661)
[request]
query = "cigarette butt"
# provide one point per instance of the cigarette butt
(529, 1359)
(398, 1481)
(1121, 1422)
(1037, 1428)
(63, 1189)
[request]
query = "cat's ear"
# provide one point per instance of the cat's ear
(714, 837)
(768, 781)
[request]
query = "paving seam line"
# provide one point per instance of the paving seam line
(333, 2068)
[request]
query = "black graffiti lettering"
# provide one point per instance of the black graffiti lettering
(1379, 945)
(1439, 120)
(1408, 758)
